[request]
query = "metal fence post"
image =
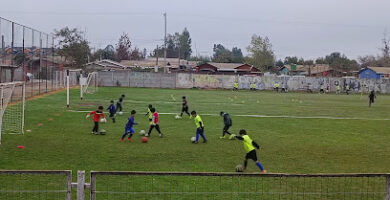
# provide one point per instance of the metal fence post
(69, 185)
(93, 186)
(80, 185)
(387, 188)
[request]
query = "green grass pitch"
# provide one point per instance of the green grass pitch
(289, 145)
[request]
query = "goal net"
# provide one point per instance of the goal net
(89, 85)
(12, 104)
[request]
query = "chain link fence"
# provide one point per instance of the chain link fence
(31, 56)
(35, 185)
(177, 185)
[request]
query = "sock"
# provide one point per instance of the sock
(197, 137)
(245, 163)
(204, 138)
(124, 135)
(259, 165)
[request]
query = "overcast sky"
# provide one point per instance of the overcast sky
(305, 28)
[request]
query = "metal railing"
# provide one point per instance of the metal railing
(35, 184)
(183, 185)
(31, 185)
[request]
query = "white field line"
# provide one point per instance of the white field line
(276, 116)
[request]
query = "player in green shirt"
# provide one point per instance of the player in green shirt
(149, 113)
(250, 148)
(199, 127)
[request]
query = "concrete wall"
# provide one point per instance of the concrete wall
(185, 80)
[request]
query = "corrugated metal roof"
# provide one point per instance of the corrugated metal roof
(380, 70)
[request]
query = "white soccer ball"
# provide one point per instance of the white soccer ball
(239, 168)
(177, 117)
(142, 132)
(120, 113)
(103, 120)
(193, 139)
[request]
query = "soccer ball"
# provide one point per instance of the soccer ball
(120, 113)
(103, 132)
(239, 168)
(142, 132)
(177, 117)
(103, 120)
(193, 139)
(145, 140)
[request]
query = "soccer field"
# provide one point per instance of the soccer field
(298, 133)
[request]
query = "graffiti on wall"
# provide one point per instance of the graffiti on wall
(207, 81)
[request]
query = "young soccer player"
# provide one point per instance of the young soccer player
(119, 103)
(235, 86)
(338, 88)
(227, 121)
(184, 108)
(129, 129)
(112, 110)
(96, 117)
(154, 124)
(371, 98)
(250, 148)
(149, 113)
(199, 127)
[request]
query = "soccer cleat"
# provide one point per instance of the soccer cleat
(205, 141)
(146, 135)
(130, 140)
(264, 171)
(161, 135)
(222, 137)
(122, 140)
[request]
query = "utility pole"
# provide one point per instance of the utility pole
(165, 42)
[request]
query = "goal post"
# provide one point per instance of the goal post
(89, 84)
(12, 107)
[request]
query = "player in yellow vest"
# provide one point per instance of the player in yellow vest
(250, 148)
(235, 86)
(253, 86)
(199, 127)
(149, 113)
(338, 88)
(347, 89)
(276, 87)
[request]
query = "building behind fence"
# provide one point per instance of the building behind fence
(188, 80)
(104, 185)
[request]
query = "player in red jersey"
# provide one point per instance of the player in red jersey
(154, 123)
(96, 118)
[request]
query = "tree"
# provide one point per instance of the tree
(221, 54)
(308, 62)
(279, 63)
(367, 61)
(261, 53)
(123, 47)
(340, 62)
(178, 44)
(136, 54)
(184, 46)
(385, 59)
(72, 45)
(237, 56)
(290, 60)
(320, 61)
(106, 53)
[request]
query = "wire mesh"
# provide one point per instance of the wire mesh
(34, 185)
(11, 108)
(234, 186)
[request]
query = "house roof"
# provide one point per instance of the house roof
(317, 69)
(380, 70)
(226, 65)
(107, 63)
(151, 62)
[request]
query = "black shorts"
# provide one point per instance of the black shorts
(150, 119)
(226, 127)
(112, 115)
(184, 109)
(251, 155)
